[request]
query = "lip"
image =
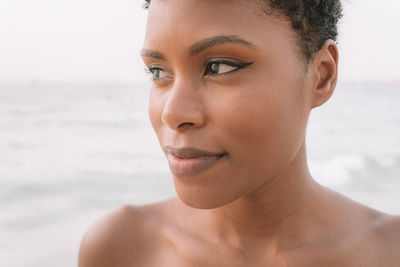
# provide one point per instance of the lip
(191, 161)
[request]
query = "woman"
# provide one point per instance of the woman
(234, 83)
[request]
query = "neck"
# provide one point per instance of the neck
(279, 211)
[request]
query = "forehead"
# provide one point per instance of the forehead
(191, 20)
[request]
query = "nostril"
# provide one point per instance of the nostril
(185, 124)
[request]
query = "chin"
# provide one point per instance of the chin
(203, 198)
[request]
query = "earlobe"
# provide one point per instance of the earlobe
(326, 71)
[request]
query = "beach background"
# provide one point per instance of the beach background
(75, 140)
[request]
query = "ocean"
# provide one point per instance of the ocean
(70, 153)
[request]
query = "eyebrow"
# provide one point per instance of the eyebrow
(202, 45)
(151, 53)
(217, 40)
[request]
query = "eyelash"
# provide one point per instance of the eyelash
(150, 72)
(237, 65)
(207, 69)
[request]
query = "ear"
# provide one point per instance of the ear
(325, 68)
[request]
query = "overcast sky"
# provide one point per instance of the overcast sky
(100, 40)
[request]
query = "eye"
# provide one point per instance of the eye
(220, 67)
(157, 73)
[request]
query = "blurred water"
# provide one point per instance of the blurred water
(354, 144)
(70, 153)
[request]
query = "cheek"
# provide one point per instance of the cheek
(155, 107)
(262, 130)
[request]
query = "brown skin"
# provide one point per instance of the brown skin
(259, 205)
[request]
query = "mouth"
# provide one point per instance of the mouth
(191, 161)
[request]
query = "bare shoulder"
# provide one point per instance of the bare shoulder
(385, 233)
(368, 238)
(387, 230)
(121, 238)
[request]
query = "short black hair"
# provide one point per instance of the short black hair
(314, 21)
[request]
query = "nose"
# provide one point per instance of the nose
(183, 108)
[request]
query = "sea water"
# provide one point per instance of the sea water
(69, 153)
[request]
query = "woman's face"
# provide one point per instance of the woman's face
(231, 82)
